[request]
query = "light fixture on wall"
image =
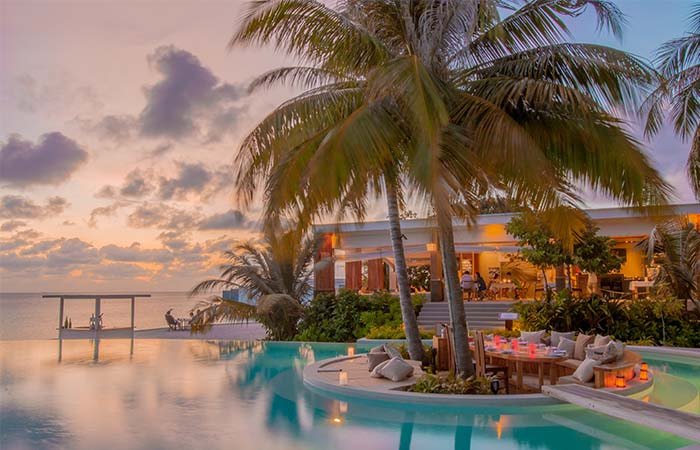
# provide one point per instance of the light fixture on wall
(431, 247)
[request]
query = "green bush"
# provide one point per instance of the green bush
(659, 319)
(500, 332)
(449, 384)
(347, 316)
(394, 332)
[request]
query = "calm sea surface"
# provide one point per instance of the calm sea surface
(28, 316)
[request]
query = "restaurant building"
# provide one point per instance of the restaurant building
(364, 262)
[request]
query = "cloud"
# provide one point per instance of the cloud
(188, 98)
(105, 211)
(119, 271)
(134, 253)
(106, 191)
(72, 252)
(137, 184)
(18, 207)
(51, 161)
(12, 225)
(159, 215)
(118, 128)
(161, 150)
(194, 178)
(224, 221)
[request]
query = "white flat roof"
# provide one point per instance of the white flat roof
(503, 218)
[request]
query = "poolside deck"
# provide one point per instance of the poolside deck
(658, 417)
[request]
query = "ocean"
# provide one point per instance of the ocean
(28, 316)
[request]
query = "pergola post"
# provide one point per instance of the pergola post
(133, 302)
(60, 318)
(97, 314)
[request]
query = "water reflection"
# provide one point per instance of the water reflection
(247, 395)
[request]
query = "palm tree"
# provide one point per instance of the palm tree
(679, 63)
(276, 274)
(674, 247)
(452, 100)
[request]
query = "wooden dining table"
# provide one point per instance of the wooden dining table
(518, 359)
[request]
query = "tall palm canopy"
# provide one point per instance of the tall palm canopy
(679, 92)
(456, 97)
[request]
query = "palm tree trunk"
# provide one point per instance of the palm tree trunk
(413, 342)
(463, 356)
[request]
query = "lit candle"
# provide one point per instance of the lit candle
(343, 378)
(516, 345)
(644, 375)
(343, 407)
(531, 349)
(645, 366)
(497, 340)
(351, 351)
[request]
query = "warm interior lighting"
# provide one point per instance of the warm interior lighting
(351, 351)
(620, 381)
(643, 375)
(343, 378)
(431, 247)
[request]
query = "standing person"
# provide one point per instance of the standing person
(480, 286)
(468, 284)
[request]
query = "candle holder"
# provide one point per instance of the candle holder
(516, 345)
(351, 351)
(531, 348)
(620, 381)
(343, 378)
(645, 365)
(497, 340)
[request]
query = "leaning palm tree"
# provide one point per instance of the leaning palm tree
(276, 274)
(451, 100)
(678, 94)
(674, 247)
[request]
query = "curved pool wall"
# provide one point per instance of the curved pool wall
(173, 394)
(677, 378)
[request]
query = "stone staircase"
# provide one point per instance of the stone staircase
(480, 315)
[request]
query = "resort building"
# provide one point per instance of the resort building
(364, 261)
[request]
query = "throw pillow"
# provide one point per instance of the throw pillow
(604, 353)
(379, 349)
(619, 350)
(376, 372)
(584, 373)
(556, 335)
(567, 345)
(373, 359)
(599, 340)
(582, 341)
(533, 337)
(396, 370)
(392, 351)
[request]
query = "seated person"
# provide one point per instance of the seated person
(480, 285)
(468, 284)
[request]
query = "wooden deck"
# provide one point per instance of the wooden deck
(680, 423)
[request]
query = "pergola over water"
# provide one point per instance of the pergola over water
(98, 301)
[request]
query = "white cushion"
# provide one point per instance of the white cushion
(533, 337)
(619, 350)
(374, 359)
(568, 345)
(582, 341)
(599, 340)
(396, 369)
(584, 373)
(556, 335)
(392, 351)
(379, 349)
(604, 353)
(376, 372)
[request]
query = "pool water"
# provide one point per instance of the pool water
(677, 381)
(250, 395)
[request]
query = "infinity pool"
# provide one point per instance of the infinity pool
(243, 395)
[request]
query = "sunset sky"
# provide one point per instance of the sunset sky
(119, 122)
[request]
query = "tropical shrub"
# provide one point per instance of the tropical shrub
(394, 332)
(347, 316)
(449, 384)
(660, 319)
(500, 332)
(419, 277)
